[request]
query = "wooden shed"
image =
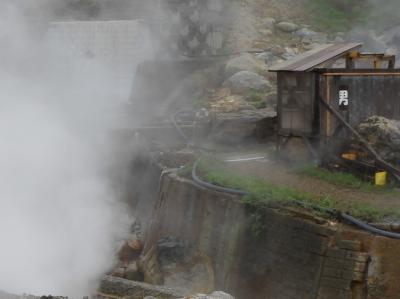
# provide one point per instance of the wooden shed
(325, 93)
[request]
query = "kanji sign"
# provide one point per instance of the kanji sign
(344, 100)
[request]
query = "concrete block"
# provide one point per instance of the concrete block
(357, 256)
(332, 293)
(336, 253)
(336, 283)
(338, 263)
(359, 267)
(349, 245)
(332, 272)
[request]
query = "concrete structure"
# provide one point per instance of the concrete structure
(282, 255)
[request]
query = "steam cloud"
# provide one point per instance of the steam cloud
(60, 218)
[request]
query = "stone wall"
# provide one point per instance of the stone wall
(196, 27)
(293, 255)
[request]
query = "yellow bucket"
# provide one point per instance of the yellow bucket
(381, 178)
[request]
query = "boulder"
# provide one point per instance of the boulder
(268, 57)
(244, 62)
(119, 287)
(265, 32)
(304, 32)
(214, 295)
(173, 264)
(269, 23)
(383, 135)
(245, 81)
(320, 38)
(287, 27)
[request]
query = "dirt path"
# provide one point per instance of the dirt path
(281, 175)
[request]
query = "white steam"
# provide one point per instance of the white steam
(60, 218)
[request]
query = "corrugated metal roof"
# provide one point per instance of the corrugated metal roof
(312, 59)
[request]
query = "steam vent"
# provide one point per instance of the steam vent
(199, 149)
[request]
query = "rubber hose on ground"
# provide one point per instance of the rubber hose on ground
(368, 227)
(344, 216)
(204, 184)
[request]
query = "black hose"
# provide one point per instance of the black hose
(344, 216)
(207, 185)
(368, 227)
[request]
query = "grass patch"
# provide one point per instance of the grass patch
(338, 15)
(257, 99)
(342, 179)
(336, 178)
(263, 195)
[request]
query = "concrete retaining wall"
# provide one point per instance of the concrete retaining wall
(296, 255)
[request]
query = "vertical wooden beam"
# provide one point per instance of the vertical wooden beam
(328, 125)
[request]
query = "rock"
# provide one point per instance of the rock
(320, 38)
(130, 251)
(268, 57)
(266, 32)
(171, 263)
(384, 136)
(311, 46)
(132, 272)
(214, 295)
(290, 53)
(128, 289)
(287, 27)
(244, 62)
(277, 50)
(269, 23)
(304, 32)
(170, 251)
(221, 295)
(338, 39)
(244, 81)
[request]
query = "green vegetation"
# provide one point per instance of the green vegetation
(257, 99)
(336, 178)
(343, 15)
(264, 195)
(201, 102)
(339, 15)
(256, 96)
(342, 179)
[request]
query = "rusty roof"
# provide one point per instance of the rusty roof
(314, 58)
